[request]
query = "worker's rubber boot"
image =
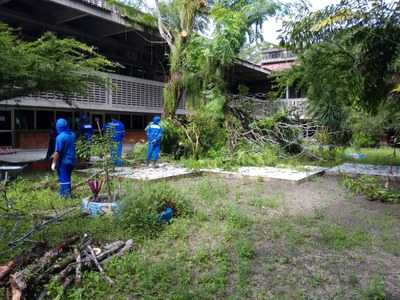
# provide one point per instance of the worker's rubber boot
(147, 163)
(155, 164)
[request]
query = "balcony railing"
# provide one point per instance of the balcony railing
(132, 94)
(264, 108)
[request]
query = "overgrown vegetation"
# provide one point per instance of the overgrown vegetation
(230, 238)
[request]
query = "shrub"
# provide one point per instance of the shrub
(139, 207)
(139, 152)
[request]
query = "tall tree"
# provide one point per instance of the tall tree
(180, 21)
(48, 64)
(357, 43)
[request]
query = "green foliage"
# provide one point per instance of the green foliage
(366, 185)
(336, 237)
(377, 290)
(342, 42)
(48, 64)
(367, 128)
(384, 156)
(362, 140)
(139, 208)
(82, 149)
(139, 151)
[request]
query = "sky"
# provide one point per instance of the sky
(270, 27)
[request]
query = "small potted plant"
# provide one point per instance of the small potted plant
(99, 204)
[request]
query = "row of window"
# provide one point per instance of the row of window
(43, 119)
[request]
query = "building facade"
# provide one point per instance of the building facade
(25, 122)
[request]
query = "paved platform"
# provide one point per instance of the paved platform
(271, 174)
(361, 169)
(22, 156)
(166, 171)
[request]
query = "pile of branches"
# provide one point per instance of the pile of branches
(25, 275)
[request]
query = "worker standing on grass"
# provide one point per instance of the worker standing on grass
(64, 159)
(154, 134)
(117, 131)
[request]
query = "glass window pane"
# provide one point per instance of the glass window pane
(24, 120)
(44, 119)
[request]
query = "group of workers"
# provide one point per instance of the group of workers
(62, 146)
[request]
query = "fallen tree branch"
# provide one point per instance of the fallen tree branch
(102, 272)
(37, 227)
(19, 281)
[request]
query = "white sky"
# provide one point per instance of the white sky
(270, 27)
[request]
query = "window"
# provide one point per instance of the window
(24, 120)
(44, 119)
(5, 120)
(68, 116)
(137, 122)
(126, 120)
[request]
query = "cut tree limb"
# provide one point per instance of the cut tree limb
(18, 282)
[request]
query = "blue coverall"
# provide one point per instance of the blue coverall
(117, 133)
(154, 134)
(65, 146)
(86, 130)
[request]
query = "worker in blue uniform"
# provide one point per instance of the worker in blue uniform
(117, 133)
(154, 135)
(85, 131)
(64, 158)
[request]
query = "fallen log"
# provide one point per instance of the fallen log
(128, 247)
(19, 280)
(22, 260)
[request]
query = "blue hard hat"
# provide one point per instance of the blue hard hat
(156, 119)
(83, 118)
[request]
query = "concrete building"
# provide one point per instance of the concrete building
(25, 122)
(278, 60)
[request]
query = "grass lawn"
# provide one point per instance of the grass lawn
(375, 156)
(235, 239)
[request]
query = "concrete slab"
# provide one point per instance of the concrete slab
(272, 174)
(360, 169)
(165, 171)
(23, 156)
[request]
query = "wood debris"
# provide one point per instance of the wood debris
(24, 276)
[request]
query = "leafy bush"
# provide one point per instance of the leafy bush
(139, 207)
(173, 139)
(361, 139)
(139, 152)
